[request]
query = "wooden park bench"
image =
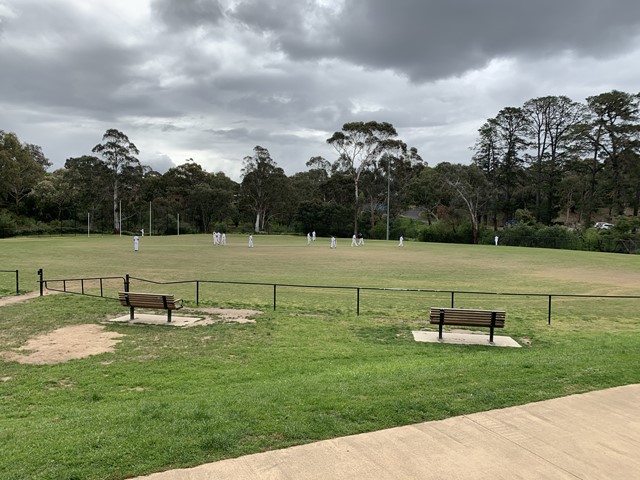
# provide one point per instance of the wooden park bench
(467, 318)
(149, 300)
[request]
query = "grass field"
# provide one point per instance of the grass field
(310, 370)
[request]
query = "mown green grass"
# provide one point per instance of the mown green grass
(312, 369)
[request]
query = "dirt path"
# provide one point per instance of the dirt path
(20, 298)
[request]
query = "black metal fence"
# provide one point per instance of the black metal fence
(127, 281)
(64, 284)
(17, 274)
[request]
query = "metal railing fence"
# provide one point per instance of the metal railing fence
(357, 290)
(17, 274)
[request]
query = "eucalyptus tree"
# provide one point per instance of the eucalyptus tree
(51, 194)
(308, 186)
(359, 145)
(21, 168)
(119, 154)
(263, 185)
(616, 131)
(225, 192)
(89, 186)
(469, 191)
(425, 190)
(398, 166)
(550, 129)
(500, 154)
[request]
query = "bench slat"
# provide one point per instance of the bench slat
(468, 318)
(135, 300)
(149, 300)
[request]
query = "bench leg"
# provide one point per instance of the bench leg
(131, 313)
(169, 316)
(440, 324)
(493, 324)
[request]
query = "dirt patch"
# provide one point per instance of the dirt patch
(232, 315)
(23, 298)
(80, 341)
(64, 344)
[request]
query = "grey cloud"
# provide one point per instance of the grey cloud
(187, 13)
(158, 162)
(431, 39)
(231, 133)
(272, 15)
(71, 68)
(196, 80)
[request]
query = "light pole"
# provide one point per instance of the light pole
(388, 192)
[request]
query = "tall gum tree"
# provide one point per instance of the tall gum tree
(616, 115)
(22, 166)
(262, 182)
(551, 122)
(499, 153)
(358, 145)
(119, 154)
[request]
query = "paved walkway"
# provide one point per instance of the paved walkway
(589, 436)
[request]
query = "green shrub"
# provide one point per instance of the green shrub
(439, 232)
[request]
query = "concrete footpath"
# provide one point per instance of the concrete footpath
(588, 436)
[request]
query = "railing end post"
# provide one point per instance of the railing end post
(40, 274)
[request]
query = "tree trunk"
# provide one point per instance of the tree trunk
(355, 220)
(116, 216)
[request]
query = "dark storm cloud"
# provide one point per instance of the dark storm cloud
(430, 39)
(273, 15)
(183, 14)
(69, 66)
(211, 79)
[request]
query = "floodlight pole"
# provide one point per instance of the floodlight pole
(388, 192)
(149, 218)
(178, 224)
(88, 225)
(120, 218)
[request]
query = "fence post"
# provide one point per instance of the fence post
(549, 309)
(452, 302)
(40, 274)
(358, 304)
(17, 284)
(274, 297)
(197, 292)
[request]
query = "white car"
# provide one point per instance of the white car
(603, 226)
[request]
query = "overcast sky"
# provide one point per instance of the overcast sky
(211, 79)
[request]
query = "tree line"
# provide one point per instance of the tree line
(550, 161)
